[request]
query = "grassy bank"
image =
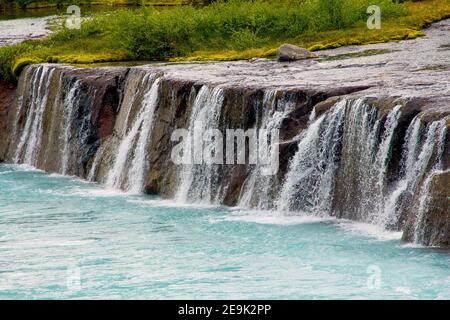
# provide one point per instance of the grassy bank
(223, 31)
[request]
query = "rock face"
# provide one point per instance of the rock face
(62, 114)
(7, 94)
(431, 225)
(289, 52)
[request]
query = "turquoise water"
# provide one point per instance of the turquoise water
(61, 237)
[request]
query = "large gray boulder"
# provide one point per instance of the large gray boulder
(289, 52)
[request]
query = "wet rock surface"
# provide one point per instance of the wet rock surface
(7, 95)
(434, 220)
(93, 108)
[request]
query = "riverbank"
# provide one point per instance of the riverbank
(221, 32)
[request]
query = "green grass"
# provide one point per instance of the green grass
(222, 31)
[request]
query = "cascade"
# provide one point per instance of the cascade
(131, 165)
(256, 191)
(30, 138)
(200, 182)
(307, 184)
(433, 147)
(70, 109)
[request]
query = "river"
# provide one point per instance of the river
(61, 237)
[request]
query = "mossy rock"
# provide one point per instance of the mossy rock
(270, 53)
(89, 58)
(316, 47)
(331, 45)
(414, 34)
(21, 63)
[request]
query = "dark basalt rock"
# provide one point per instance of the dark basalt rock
(104, 89)
(7, 95)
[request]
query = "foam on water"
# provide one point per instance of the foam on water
(370, 230)
(270, 217)
(170, 203)
(95, 192)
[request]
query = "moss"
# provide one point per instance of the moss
(88, 58)
(21, 63)
(415, 34)
(350, 55)
(229, 55)
(436, 67)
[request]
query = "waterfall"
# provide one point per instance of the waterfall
(412, 169)
(341, 147)
(380, 170)
(29, 77)
(433, 145)
(130, 165)
(307, 184)
(30, 139)
(256, 190)
(70, 109)
(199, 181)
(93, 171)
(342, 165)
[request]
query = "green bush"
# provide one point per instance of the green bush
(234, 24)
(8, 55)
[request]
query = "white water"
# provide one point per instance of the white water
(415, 161)
(69, 104)
(345, 137)
(381, 167)
(257, 186)
(307, 184)
(434, 144)
(30, 139)
(93, 171)
(199, 182)
(130, 175)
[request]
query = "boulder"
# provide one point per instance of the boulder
(289, 52)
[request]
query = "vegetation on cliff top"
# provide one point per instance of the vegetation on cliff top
(236, 29)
